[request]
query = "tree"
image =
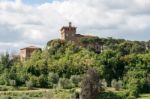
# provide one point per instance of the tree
(5, 60)
(90, 85)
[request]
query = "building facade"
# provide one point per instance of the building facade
(26, 52)
(68, 33)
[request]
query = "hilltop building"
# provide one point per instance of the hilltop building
(26, 52)
(68, 33)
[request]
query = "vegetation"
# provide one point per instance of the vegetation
(122, 64)
(90, 85)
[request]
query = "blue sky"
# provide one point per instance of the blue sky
(34, 22)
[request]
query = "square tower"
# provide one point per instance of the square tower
(68, 32)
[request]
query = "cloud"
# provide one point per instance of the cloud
(36, 24)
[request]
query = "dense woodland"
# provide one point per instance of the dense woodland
(122, 64)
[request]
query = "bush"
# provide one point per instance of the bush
(117, 85)
(75, 79)
(134, 92)
(3, 88)
(43, 81)
(34, 80)
(75, 95)
(29, 84)
(109, 95)
(104, 83)
(2, 81)
(65, 83)
(113, 83)
(12, 82)
(53, 78)
(131, 97)
(120, 84)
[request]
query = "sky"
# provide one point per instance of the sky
(35, 22)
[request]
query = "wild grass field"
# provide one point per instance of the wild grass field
(36, 94)
(41, 93)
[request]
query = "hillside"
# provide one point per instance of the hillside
(122, 64)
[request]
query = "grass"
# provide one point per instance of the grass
(144, 96)
(8, 92)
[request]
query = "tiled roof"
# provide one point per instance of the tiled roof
(31, 47)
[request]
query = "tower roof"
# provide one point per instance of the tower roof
(68, 27)
(30, 47)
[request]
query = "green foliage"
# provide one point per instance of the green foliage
(29, 84)
(64, 62)
(104, 83)
(5, 60)
(109, 95)
(135, 81)
(43, 81)
(72, 61)
(113, 66)
(12, 82)
(117, 84)
(90, 85)
(76, 79)
(24, 96)
(90, 40)
(65, 83)
(53, 78)
(6, 97)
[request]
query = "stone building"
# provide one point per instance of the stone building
(26, 52)
(68, 33)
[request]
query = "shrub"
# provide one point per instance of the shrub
(120, 84)
(75, 95)
(3, 88)
(65, 83)
(113, 83)
(29, 84)
(131, 97)
(104, 83)
(117, 84)
(34, 80)
(75, 79)
(43, 81)
(2, 81)
(53, 78)
(12, 82)
(114, 95)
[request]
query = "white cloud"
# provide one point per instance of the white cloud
(39, 23)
